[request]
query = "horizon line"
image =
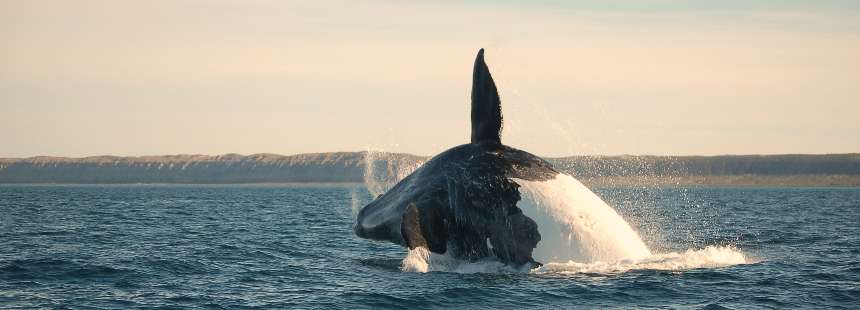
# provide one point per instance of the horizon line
(410, 154)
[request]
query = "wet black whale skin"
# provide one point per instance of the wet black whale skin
(457, 201)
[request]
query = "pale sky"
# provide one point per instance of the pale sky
(82, 78)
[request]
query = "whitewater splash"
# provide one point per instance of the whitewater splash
(580, 233)
(382, 170)
(422, 260)
(709, 257)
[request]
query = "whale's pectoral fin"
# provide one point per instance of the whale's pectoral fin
(486, 105)
(515, 241)
(424, 227)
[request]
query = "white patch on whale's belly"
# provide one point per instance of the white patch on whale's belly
(576, 225)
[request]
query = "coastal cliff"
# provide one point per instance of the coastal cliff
(228, 168)
(728, 170)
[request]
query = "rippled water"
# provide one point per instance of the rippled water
(287, 246)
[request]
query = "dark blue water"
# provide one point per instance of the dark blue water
(236, 247)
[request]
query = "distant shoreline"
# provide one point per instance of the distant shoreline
(321, 169)
(751, 181)
(728, 181)
(746, 181)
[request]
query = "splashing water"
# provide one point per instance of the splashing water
(580, 233)
(416, 260)
(422, 260)
(355, 202)
(709, 257)
(383, 170)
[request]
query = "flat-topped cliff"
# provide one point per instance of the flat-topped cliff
(802, 170)
(228, 168)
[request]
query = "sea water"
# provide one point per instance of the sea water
(292, 246)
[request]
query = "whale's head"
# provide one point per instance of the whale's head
(382, 218)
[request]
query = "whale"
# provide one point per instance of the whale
(463, 201)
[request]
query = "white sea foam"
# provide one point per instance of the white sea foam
(416, 260)
(422, 260)
(709, 257)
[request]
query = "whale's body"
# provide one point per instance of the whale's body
(463, 202)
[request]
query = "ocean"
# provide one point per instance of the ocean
(292, 246)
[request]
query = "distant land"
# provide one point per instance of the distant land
(352, 167)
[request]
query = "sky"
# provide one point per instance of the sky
(662, 77)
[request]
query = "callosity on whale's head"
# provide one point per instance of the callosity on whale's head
(463, 202)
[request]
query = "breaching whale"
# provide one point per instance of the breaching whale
(463, 202)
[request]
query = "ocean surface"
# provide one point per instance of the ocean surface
(292, 246)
